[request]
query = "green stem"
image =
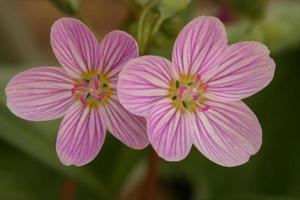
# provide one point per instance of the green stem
(157, 25)
(140, 29)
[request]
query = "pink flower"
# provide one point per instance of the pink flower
(195, 99)
(83, 91)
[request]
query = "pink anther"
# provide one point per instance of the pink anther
(83, 100)
(198, 78)
(195, 98)
(73, 91)
(96, 82)
(205, 86)
(81, 84)
(204, 108)
(100, 97)
(181, 90)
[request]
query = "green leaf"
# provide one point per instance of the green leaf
(70, 7)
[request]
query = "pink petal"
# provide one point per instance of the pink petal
(41, 93)
(128, 128)
(116, 48)
(80, 136)
(228, 133)
(246, 69)
(142, 82)
(199, 46)
(170, 131)
(75, 46)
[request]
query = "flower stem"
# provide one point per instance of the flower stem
(141, 25)
(157, 25)
(149, 191)
(68, 190)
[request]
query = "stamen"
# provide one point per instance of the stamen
(204, 108)
(81, 84)
(96, 82)
(90, 91)
(86, 80)
(83, 100)
(73, 91)
(205, 86)
(177, 84)
(181, 90)
(101, 96)
(198, 78)
(188, 93)
(195, 98)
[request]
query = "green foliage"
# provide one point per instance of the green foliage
(169, 8)
(70, 7)
(252, 9)
(278, 30)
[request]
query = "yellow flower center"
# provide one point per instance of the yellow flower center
(92, 89)
(188, 93)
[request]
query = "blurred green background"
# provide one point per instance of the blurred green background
(29, 168)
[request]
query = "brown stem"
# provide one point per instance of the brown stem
(68, 190)
(148, 191)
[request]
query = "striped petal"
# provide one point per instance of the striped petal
(41, 93)
(75, 46)
(126, 127)
(246, 69)
(227, 134)
(199, 46)
(170, 131)
(116, 48)
(144, 81)
(80, 136)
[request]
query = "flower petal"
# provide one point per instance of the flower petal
(142, 82)
(80, 136)
(128, 128)
(75, 46)
(41, 93)
(116, 48)
(246, 69)
(170, 131)
(227, 134)
(199, 46)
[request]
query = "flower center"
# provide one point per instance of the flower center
(92, 89)
(188, 93)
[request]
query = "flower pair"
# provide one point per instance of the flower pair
(195, 99)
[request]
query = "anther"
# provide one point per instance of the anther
(96, 82)
(198, 78)
(182, 90)
(100, 97)
(177, 84)
(83, 100)
(204, 108)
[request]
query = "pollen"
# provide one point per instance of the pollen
(188, 93)
(92, 89)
